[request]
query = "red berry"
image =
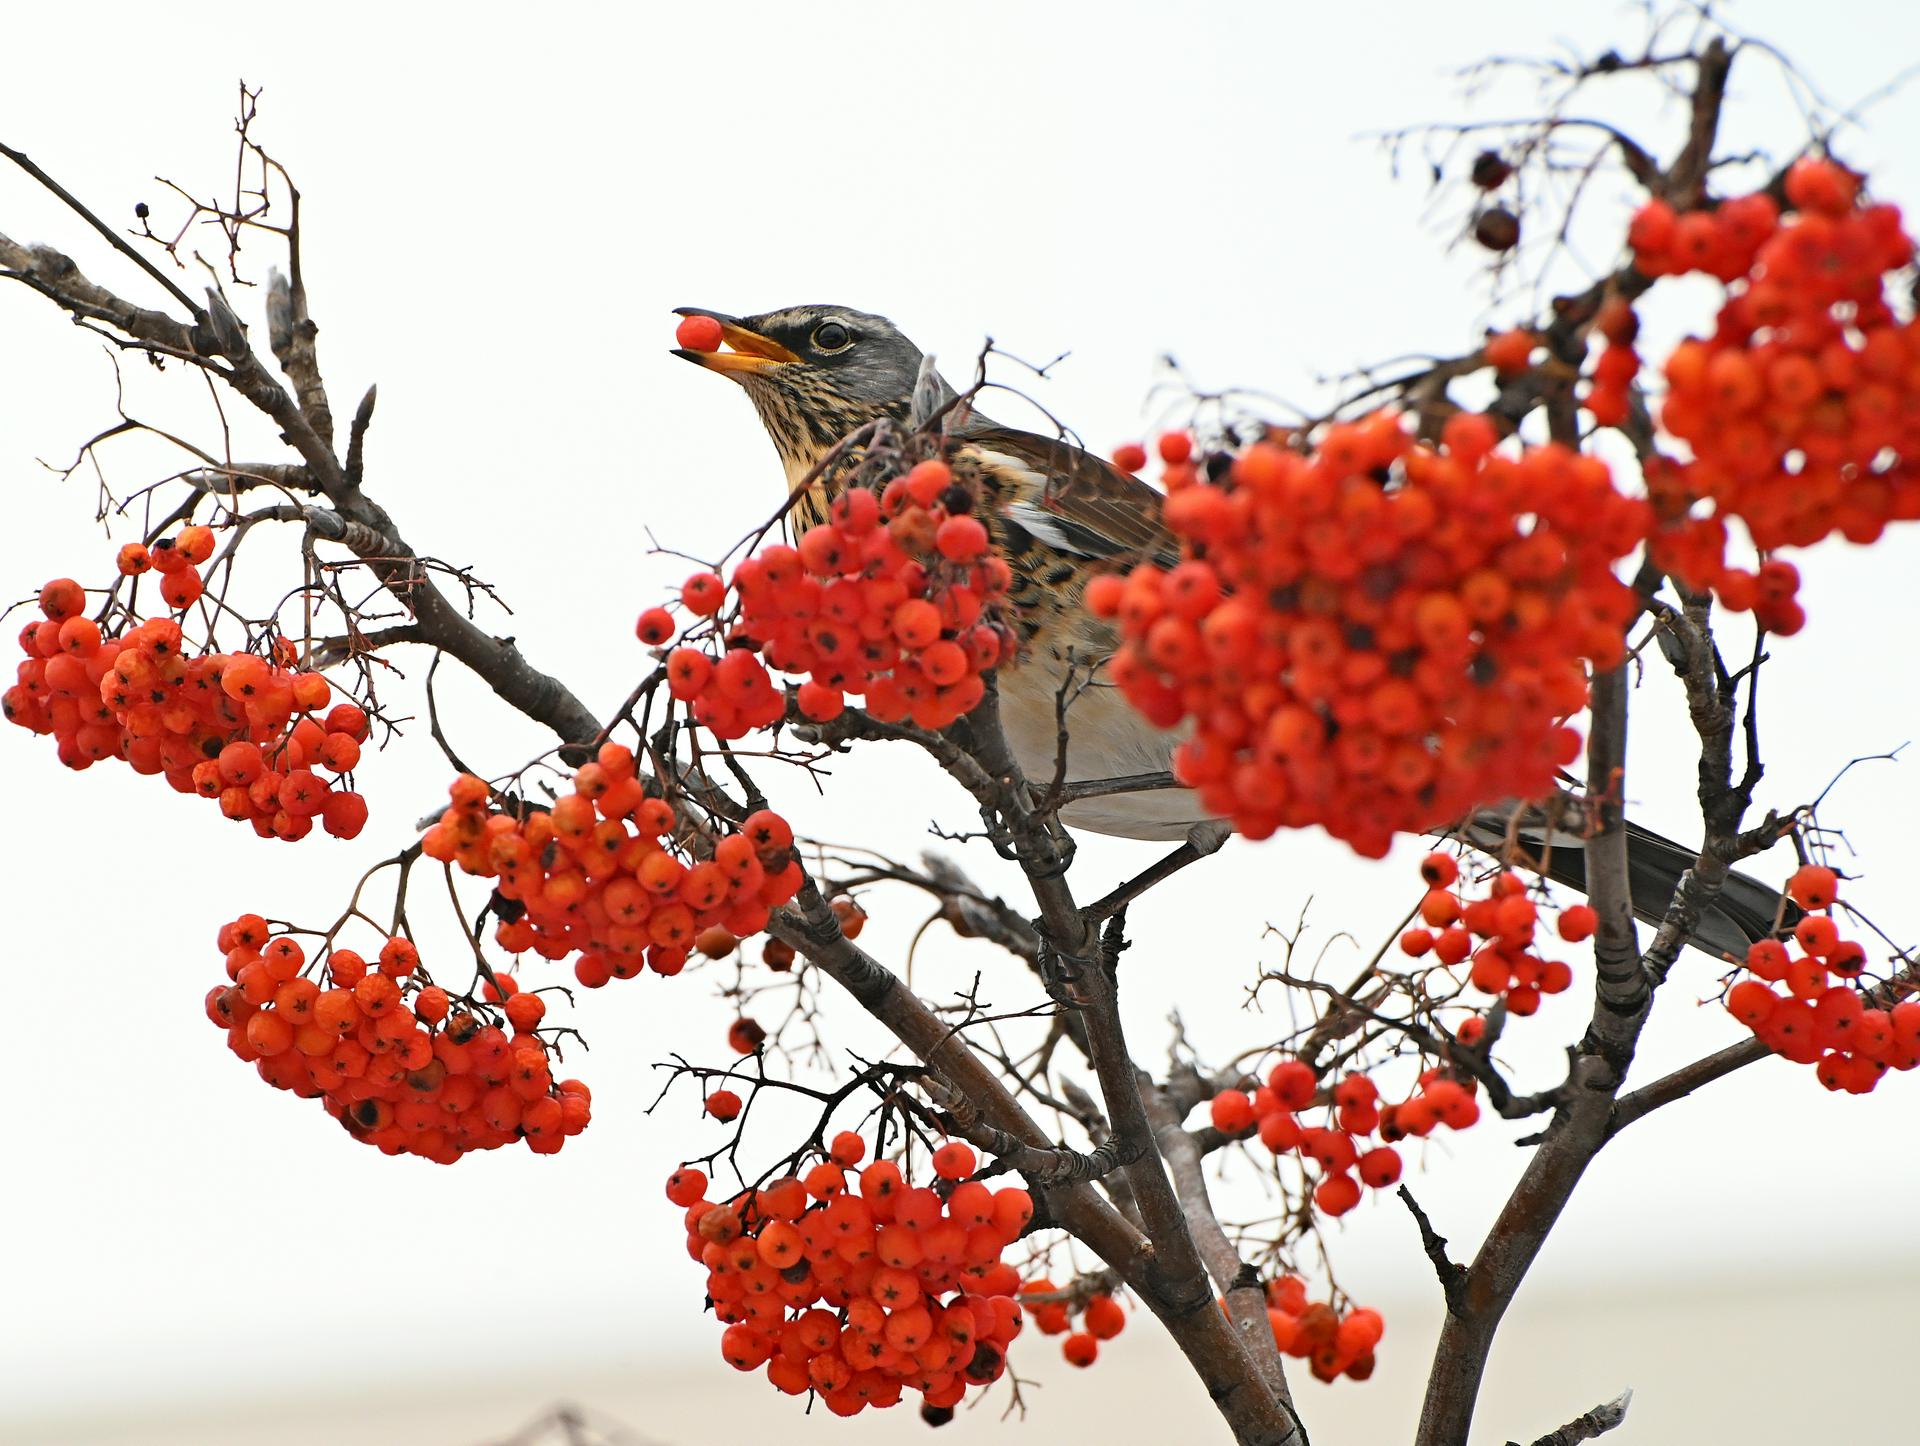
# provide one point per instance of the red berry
(961, 539)
(62, 598)
(1509, 352)
(1577, 922)
(1104, 1319)
(698, 333)
(1336, 1195)
(703, 593)
(1380, 1168)
(655, 627)
(954, 1160)
(1294, 1082)
(686, 1185)
(1232, 1112)
(1814, 887)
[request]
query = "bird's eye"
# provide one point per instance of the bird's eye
(831, 336)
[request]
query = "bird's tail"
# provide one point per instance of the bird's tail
(1744, 911)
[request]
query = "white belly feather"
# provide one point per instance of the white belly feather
(1107, 739)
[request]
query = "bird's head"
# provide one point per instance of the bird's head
(813, 373)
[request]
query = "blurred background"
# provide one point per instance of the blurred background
(502, 205)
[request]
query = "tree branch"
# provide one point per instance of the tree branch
(1684, 1081)
(1237, 1281)
(1452, 1274)
(498, 661)
(1597, 1422)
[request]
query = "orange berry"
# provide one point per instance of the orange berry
(1814, 886)
(1510, 352)
(62, 598)
(954, 1160)
(525, 1011)
(1104, 1319)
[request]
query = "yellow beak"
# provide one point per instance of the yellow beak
(752, 353)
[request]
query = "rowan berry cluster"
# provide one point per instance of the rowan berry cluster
(1052, 1310)
(1802, 410)
(1340, 1149)
(853, 1284)
(1808, 1007)
(1505, 921)
(893, 598)
(399, 1062)
(1616, 366)
(601, 875)
(176, 559)
(1375, 636)
(1333, 1342)
(248, 732)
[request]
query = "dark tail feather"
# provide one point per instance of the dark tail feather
(1743, 913)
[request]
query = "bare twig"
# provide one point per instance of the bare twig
(1597, 1422)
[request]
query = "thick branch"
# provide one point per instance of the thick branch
(1685, 1080)
(1237, 1281)
(1620, 987)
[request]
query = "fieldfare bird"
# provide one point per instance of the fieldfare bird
(1059, 515)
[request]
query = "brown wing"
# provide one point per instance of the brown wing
(1097, 509)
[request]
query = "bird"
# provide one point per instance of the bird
(1060, 515)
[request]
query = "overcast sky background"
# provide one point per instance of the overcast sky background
(502, 207)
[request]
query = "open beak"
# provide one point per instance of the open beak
(751, 354)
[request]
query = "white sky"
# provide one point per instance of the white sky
(503, 207)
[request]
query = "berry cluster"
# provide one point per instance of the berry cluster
(176, 559)
(1376, 636)
(1802, 410)
(1615, 368)
(851, 1283)
(1101, 1319)
(1340, 1149)
(1333, 1343)
(1808, 1008)
(1505, 920)
(893, 598)
(600, 875)
(236, 728)
(392, 1056)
